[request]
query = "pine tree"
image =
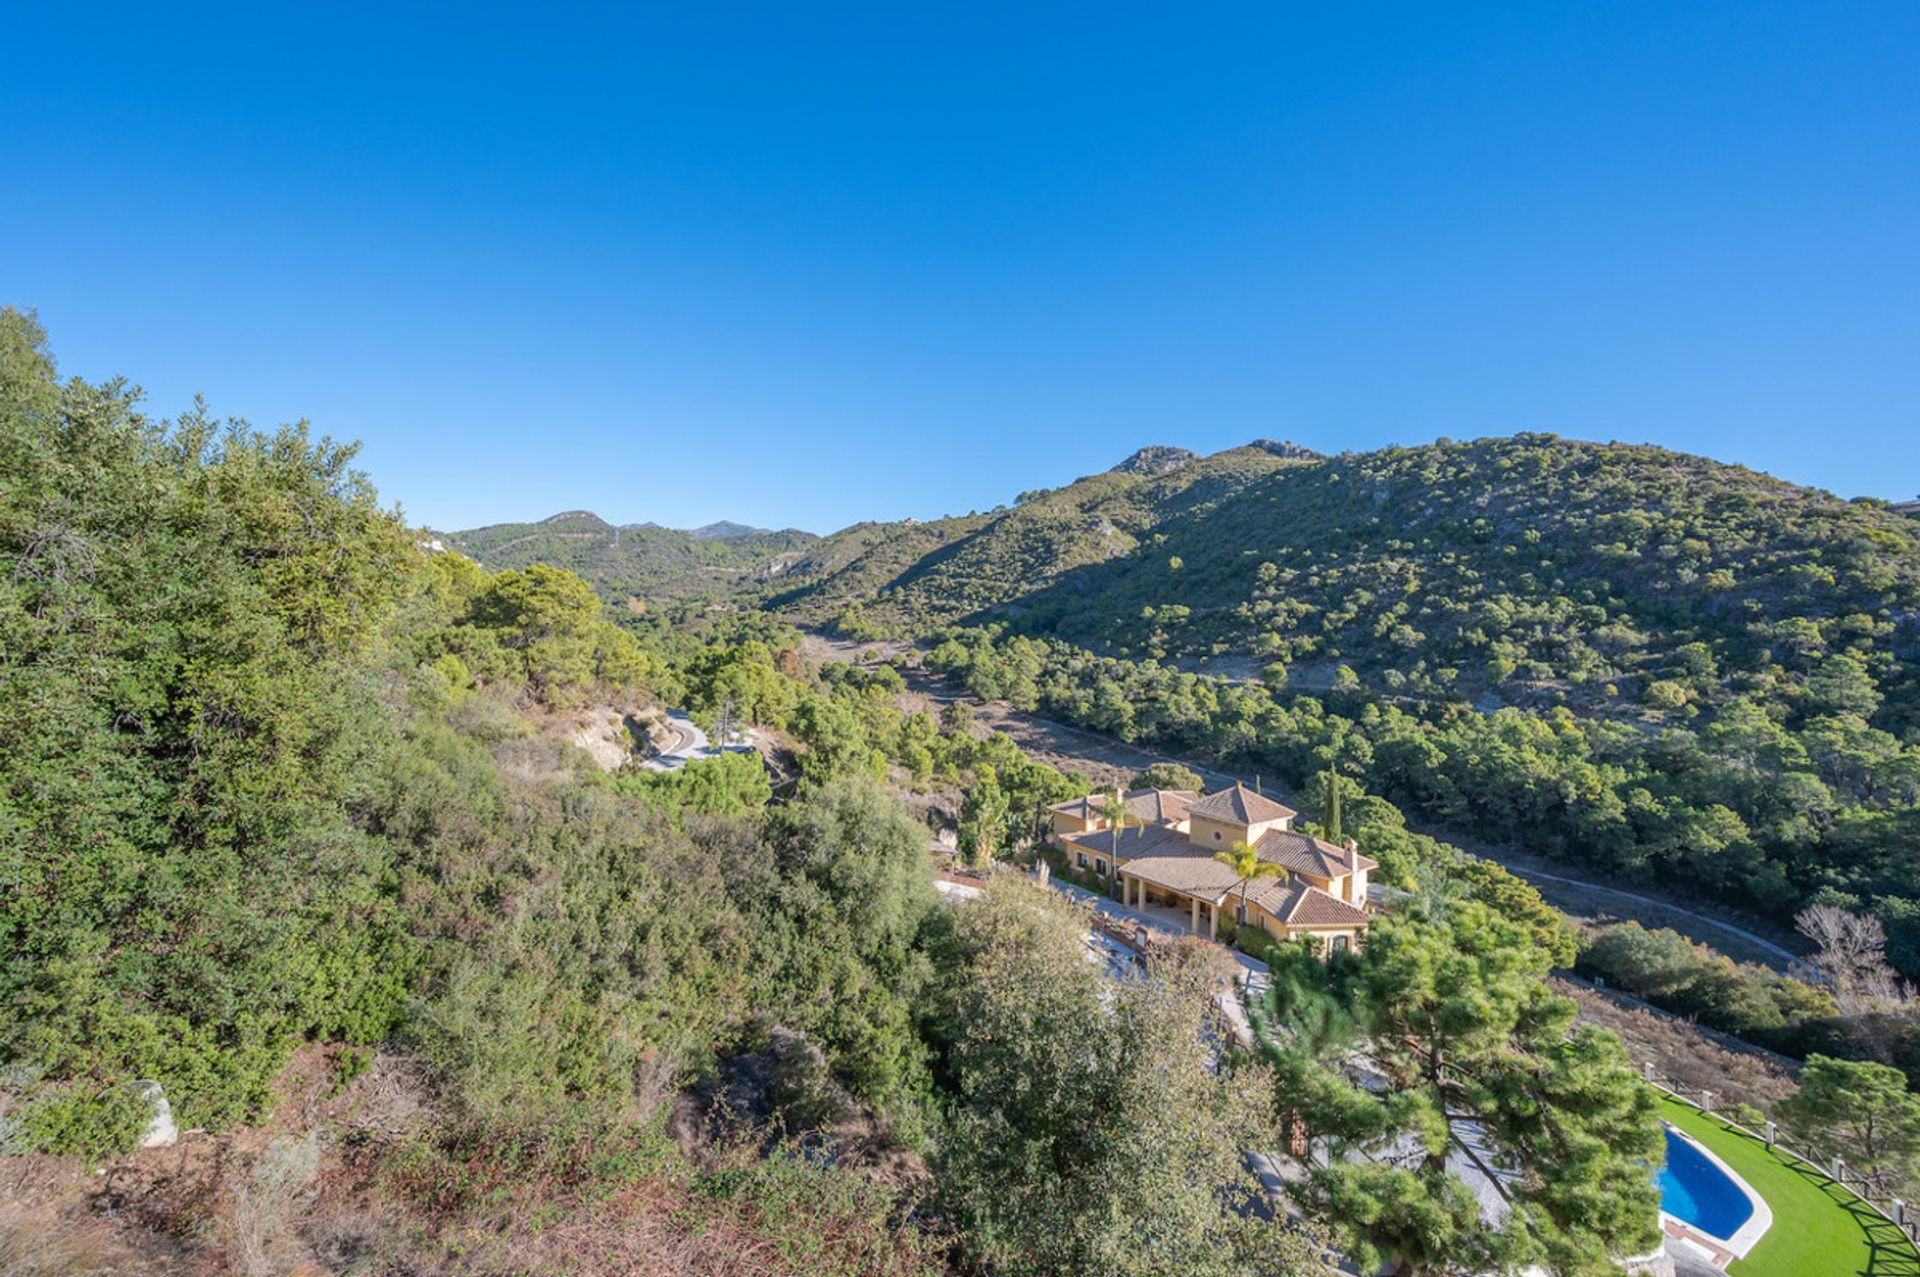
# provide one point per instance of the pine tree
(1485, 1066)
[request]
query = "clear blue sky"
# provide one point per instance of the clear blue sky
(807, 264)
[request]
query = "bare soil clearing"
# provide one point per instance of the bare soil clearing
(1695, 1058)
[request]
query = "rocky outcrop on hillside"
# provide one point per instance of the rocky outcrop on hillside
(1289, 449)
(1156, 459)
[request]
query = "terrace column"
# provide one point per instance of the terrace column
(1213, 921)
(1195, 902)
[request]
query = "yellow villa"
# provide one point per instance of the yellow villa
(1164, 855)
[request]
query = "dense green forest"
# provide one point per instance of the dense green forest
(1531, 570)
(1755, 804)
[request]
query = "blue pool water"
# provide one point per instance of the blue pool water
(1694, 1189)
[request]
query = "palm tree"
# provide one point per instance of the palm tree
(1246, 864)
(1118, 815)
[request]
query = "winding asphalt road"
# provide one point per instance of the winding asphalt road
(691, 744)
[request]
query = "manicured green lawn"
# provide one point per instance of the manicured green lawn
(1819, 1229)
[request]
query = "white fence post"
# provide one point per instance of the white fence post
(1773, 1134)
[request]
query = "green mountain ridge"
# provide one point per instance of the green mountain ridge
(641, 560)
(1531, 567)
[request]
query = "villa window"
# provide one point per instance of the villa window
(1100, 866)
(1083, 860)
(1339, 944)
(1240, 915)
(1216, 835)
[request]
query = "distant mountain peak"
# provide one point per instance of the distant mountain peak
(576, 516)
(1288, 449)
(724, 530)
(1156, 458)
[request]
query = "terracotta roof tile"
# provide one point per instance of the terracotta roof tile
(1155, 806)
(1201, 876)
(1240, 806)
(1139, 840)
(1162, 806)
(1303, 853)
(1299, 905)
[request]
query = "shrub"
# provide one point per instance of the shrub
(1668, 970)
(1167, 776)
(351, 1062)
(79, 1121)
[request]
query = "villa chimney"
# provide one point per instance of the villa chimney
(1351, 845)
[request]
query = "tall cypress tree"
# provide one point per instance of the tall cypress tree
(1332, 816)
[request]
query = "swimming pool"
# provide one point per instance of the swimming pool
(1693, 1189)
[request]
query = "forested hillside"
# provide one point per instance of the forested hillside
(1532, 570)
(640, 561)
(902, 577)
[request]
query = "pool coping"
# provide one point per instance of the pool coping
(1745, 1236)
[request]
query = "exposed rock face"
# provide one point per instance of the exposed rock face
(608, 733)
(1156, 459)
(1288, 449)
(161, 1131)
